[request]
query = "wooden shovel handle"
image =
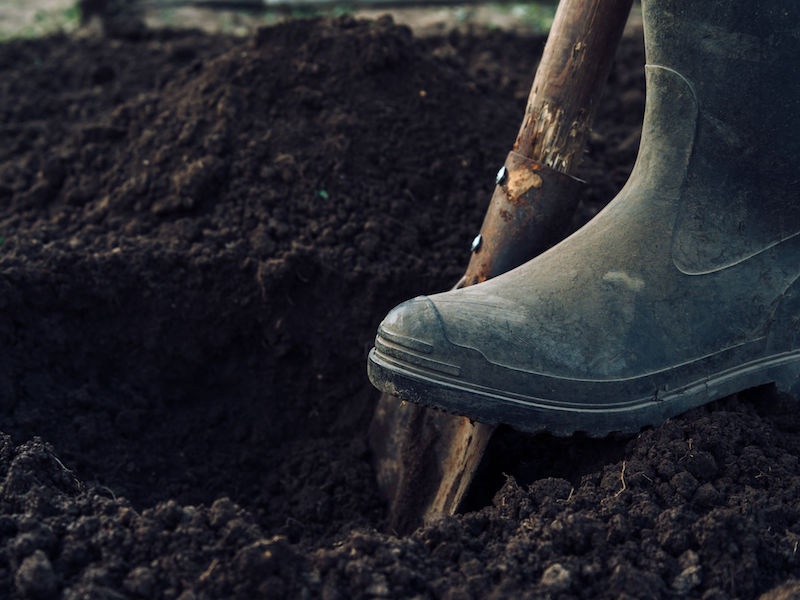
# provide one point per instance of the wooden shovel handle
(569, 81)
(536, 195)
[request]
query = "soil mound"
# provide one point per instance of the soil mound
(199, 236)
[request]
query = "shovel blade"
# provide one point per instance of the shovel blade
(424, 459)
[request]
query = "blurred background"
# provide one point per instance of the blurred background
(32, 18)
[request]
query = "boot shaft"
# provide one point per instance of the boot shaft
(740, 57)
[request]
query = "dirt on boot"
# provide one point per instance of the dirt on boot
(199, 237)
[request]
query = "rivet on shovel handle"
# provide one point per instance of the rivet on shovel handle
(476, 243)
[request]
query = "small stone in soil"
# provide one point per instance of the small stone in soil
(556, 578)
(35, 577)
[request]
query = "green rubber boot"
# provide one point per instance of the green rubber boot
(684, 289)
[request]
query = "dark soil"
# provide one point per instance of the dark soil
(199, 237)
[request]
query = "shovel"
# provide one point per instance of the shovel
(425, 458)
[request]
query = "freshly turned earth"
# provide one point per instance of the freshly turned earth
(199, 237)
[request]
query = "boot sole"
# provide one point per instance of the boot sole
(414, 383)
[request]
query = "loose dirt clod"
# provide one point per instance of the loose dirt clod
(199, 236)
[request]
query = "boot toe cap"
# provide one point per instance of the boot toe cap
(412, 334)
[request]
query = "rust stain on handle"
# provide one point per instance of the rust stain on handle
(529, 212)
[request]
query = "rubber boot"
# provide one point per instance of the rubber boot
(684, 289)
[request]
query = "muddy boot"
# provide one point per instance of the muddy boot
(684, 289)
